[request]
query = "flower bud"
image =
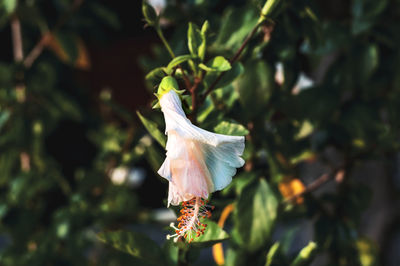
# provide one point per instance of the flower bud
(149, 14)
(267, 9)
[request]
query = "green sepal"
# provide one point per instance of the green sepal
(167, 84)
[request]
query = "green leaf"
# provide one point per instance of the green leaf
(177, 61)
(152, 128)
(236, 25)
(155, 76)
(305, 130)
(236, 70)
(194, 39)
(255, 215)
(367, 252)
(272, 253)
(306, 255)
(369, 60)
(268, 7)
(197, 40)
(154, 157)
(106, 15)
(255, 87)
(69, 45)
(135, 244)
(213, 234)
(217, 64)
(203, 46)
(171, 252)
(365, 13)
(4, 116)
(239, 182)
(235, 257)
(9, 5)
(229, 128)
(149, 14)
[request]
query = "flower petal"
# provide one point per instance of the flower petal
(198, 161)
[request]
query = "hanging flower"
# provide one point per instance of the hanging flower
(198, 162)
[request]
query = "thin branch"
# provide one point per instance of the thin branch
(165, 42)
(232, 60)
(37, 50)
(193, 94)
(17, 39)
(323, 179)
(41, 44)
(16, 35)
(185, 78)
(18, 52)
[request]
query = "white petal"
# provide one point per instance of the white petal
(165, 170)
(223, 160)
(198, 161)
(175, 119)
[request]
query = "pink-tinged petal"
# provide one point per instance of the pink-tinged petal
(198, 161)
(189, 172)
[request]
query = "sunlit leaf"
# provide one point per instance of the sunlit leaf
(70, 49)
(217, 64)
(229, 76)
(213, 234)
(255, 86)
(4, 116)
(255, 215)
(135, 244)
(155, 76)
(195, 39)
(229, 128)
(152, 128)
(290, 187)
(367, 252)
(306, 255)
(272, 253)
(9, 5)
(177, 61)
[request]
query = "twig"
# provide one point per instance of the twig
(16, 35)
(232, 60)
(337, 174)
(165, 42)
(38, 48)
(193, 94)
(171, 53)
(185, 78)
(17, 39)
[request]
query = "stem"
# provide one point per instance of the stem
(38, 48)
(17, 39)
(192, 90)
(166, 44)
(337, 174)
(182, 257)
(185, 78)
(25, 159)
(232, 60)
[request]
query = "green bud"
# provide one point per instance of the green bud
(205, 27)
(268, 7)
(306, 255)
(149, 14)
(168, 83)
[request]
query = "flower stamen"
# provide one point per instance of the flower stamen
(189, 225)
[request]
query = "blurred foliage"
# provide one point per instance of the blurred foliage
(51, 215)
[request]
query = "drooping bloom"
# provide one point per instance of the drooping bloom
(198, 162)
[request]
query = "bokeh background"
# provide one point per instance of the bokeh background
(316, 91)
